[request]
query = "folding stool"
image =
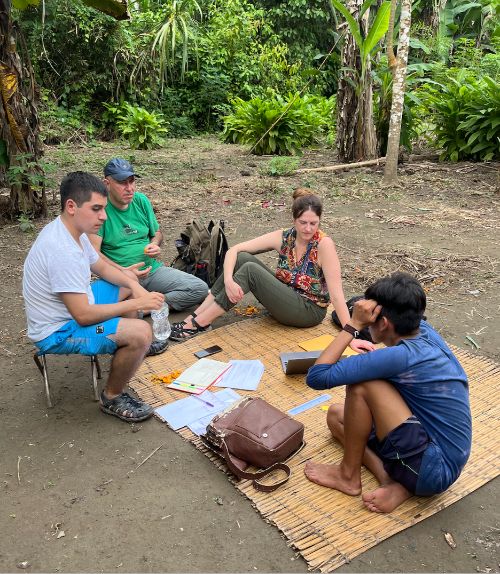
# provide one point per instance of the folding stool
(41, 363)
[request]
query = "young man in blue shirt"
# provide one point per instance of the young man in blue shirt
(406, 415)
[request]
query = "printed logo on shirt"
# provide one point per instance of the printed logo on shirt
(127, 230)
(99, 329)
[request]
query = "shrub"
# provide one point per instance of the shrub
(60, 125)
(281, 166)
(142, 129)
(466, 114)
(278, 125)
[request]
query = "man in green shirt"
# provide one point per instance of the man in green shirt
(131, 239)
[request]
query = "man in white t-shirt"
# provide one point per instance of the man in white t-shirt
(68, 314)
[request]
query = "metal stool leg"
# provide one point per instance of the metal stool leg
(42, 366)
(96, 374)
(98, 366)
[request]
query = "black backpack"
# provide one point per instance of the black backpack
(202, 250)
(364, 333)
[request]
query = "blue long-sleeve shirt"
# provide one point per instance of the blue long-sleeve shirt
(434, 386)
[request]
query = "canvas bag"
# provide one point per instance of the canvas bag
(202, 250)
(254, 432)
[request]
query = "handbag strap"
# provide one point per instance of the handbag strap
(255, 476)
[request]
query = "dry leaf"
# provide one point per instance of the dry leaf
(61, 534)
(450, 540)
(248, 311)
(167, 379)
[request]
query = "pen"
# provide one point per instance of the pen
(203, 401)
(188, 385)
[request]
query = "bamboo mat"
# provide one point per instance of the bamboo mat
(327, 527)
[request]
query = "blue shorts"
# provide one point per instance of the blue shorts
(91, 339)
(402, 451)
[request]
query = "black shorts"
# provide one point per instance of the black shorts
(401, 451)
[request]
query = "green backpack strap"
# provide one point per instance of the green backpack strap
(217, 250)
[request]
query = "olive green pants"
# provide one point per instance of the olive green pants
(282, 302)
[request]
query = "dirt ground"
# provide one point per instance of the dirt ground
(71, 496)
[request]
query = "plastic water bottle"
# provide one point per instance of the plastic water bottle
(161, 324)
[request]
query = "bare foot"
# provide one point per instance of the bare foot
(332, 476)
(386, 498)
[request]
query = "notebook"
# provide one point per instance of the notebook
(298, 363)
(321, 343)
(198, 377)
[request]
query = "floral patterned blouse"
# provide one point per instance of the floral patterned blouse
(304, 276)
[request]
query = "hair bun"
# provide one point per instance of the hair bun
(302, 192)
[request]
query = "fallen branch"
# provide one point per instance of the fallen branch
(342, 166)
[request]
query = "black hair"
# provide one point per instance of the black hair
(305, 199)
(403, 301)
(79, 186)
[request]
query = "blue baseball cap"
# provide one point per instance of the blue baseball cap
(119, 169)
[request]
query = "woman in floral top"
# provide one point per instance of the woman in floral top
(297, 293)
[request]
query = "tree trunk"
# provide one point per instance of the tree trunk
(437, 7)
(398, 68)
(356, 140)
(19, 124)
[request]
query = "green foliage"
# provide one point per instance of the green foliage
(23, 4)
(490, 66)
(25, 223)
(279, 166)
(383, 83)
(277, 125)
(61, 125)
(72, 50)
(142, 129)
(308, 28)
(179, 24)
(466, 116)
(214, 52)
(24, 169)
(377, 30)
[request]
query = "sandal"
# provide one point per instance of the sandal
(126, 408)
(182, 333)
(178, 325)
(156, 348)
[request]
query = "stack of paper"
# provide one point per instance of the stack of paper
(198, 377)
(243, 375)
(197, 411)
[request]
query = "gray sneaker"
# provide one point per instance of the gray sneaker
(156, 348)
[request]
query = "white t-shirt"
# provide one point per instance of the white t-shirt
(55, 264)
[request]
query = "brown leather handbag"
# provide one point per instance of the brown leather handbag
(253, 432)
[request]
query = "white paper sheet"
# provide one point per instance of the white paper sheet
(244, 375)
(186, 411)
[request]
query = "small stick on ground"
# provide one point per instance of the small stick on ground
(149, 456)
(18, 474)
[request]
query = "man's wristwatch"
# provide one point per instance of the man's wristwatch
(351, 330)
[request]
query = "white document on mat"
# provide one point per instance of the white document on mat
(199, 376)
(244, 375)
(183, 412)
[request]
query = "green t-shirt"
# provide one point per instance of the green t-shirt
(126, 233)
